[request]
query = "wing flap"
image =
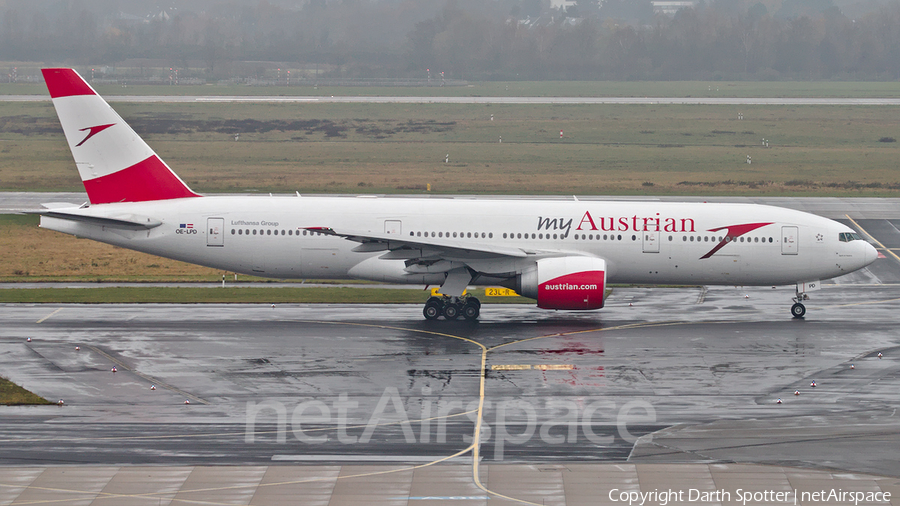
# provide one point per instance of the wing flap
(392, 242)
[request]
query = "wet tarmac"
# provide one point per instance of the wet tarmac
(659, 375)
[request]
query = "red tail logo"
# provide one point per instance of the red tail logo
(94, 130)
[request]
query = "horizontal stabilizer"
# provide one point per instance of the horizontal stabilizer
(125, 222)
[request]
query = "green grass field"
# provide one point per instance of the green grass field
(14, 395)
(33, 254)
(386, 148)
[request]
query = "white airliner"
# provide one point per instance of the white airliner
(560, 252)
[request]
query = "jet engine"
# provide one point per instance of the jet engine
(575, 282)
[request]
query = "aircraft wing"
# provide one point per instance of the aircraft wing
(399, 247)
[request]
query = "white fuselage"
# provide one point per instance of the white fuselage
(642, 242)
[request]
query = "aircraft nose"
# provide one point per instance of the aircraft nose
(871, 253)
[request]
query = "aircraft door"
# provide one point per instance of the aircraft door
(651, 242)
(215, 228)
(789, 240)
(392, 227)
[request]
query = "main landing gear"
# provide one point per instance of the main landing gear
(452, 308)
(798, 310)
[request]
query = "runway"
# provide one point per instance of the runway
(660, 376)
(377, 381)
(182, 99)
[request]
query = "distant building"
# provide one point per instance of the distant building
(561, 4)
(670, 7)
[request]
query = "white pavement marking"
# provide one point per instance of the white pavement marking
(365, 458)
(49, 315)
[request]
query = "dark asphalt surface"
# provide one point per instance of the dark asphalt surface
(658, 375)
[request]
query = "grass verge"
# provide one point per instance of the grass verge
(14, 395)
(228, 295)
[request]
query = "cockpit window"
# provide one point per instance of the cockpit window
(849, 236)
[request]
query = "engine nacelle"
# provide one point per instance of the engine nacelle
(565, 283)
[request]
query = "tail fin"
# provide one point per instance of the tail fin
(115, 164)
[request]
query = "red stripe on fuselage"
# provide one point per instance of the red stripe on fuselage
(143, 181)
(734, 231)
(65, 83)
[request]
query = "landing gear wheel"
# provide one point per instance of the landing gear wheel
(471, 310)
(451, 311)
(433, 309)
(798, 310)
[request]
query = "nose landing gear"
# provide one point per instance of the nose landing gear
(452, 308)
(798, 310)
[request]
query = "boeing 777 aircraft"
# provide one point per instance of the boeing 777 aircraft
(561, 253)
